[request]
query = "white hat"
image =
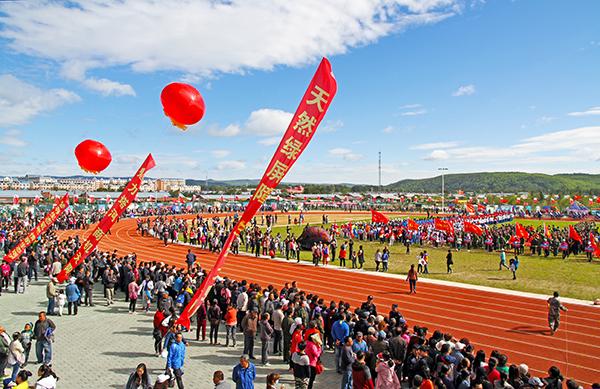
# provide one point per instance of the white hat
(162, 378)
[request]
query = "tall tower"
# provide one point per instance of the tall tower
(380, 171)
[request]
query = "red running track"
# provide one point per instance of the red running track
(514, 325)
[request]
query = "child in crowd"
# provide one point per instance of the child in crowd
(26, 336)
(61, 300)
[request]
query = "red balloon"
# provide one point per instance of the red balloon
(183, 104)
(92, 156)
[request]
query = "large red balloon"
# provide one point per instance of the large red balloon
(183, 104)
(92, 156)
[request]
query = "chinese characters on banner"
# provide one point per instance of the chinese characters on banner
(305, 121)
(47, 221)
(111, 217)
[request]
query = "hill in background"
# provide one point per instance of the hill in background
(503, 182)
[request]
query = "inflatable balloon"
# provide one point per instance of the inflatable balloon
(183, 104)
(92, 156)
(311, 235)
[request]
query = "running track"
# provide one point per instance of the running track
(514, 325)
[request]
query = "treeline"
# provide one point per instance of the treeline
(503, 182)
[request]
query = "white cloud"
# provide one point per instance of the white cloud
(346, 154)
(436, 155)
(268, 121)
(464, 90)
(269, 141)
(206, 37)
(220, 153)
(12, 138)
(410, 106)
(412, 110)
(417, 112)
(435, 145)
(331, 126)
(264, 122)
(588, 112)
(388, 130)
(20, 102)
(578, 144)
(108, 87)
(230, 130)
(231, 165)
(76, 70)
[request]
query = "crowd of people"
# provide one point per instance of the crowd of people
(372, 350)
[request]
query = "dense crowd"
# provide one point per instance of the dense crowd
(372, 350)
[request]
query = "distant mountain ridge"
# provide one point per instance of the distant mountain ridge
(503, 182)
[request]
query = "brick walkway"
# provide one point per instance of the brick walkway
(102, 345)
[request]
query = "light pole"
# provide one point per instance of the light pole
(443, 169)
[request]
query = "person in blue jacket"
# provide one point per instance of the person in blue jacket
(244, 373)
(176, 359)
(73, 296)
(339, 331)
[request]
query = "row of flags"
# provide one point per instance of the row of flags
(520, 231)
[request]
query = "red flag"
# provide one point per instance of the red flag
(91, 199)
(521, 232)
(36, 200)
(480, 207)
(300, 131)
(412, 225)
(15, 200)
(110, 218)
(594, 245)
(547, 232)
(42, 226)
(469, 207)
(473, 228)
(504, 201)
(573, 234)
(512, 240)
(378, 217)
(444, 225)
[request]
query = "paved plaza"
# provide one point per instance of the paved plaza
(102, 345)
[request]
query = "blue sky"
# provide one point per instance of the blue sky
(468, 85)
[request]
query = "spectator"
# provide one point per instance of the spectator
(301, 367)
(266, 331)
(176, 359)
(361, 375)
(43, 333)
(219, 380)
(244, 373)
(139, 379)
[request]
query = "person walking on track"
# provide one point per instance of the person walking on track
(554, 308)
(412, 278)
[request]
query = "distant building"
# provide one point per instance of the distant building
(170, 184)
(299, 189)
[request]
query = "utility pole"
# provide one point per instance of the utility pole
(380, 172)
(443, 169)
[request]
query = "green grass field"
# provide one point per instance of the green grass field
(574, 277)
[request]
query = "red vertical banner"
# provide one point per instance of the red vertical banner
(308, 116)
(111, 217)
(41, 227)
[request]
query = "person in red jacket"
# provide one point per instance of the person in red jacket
(159, 331)
(361, 375)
